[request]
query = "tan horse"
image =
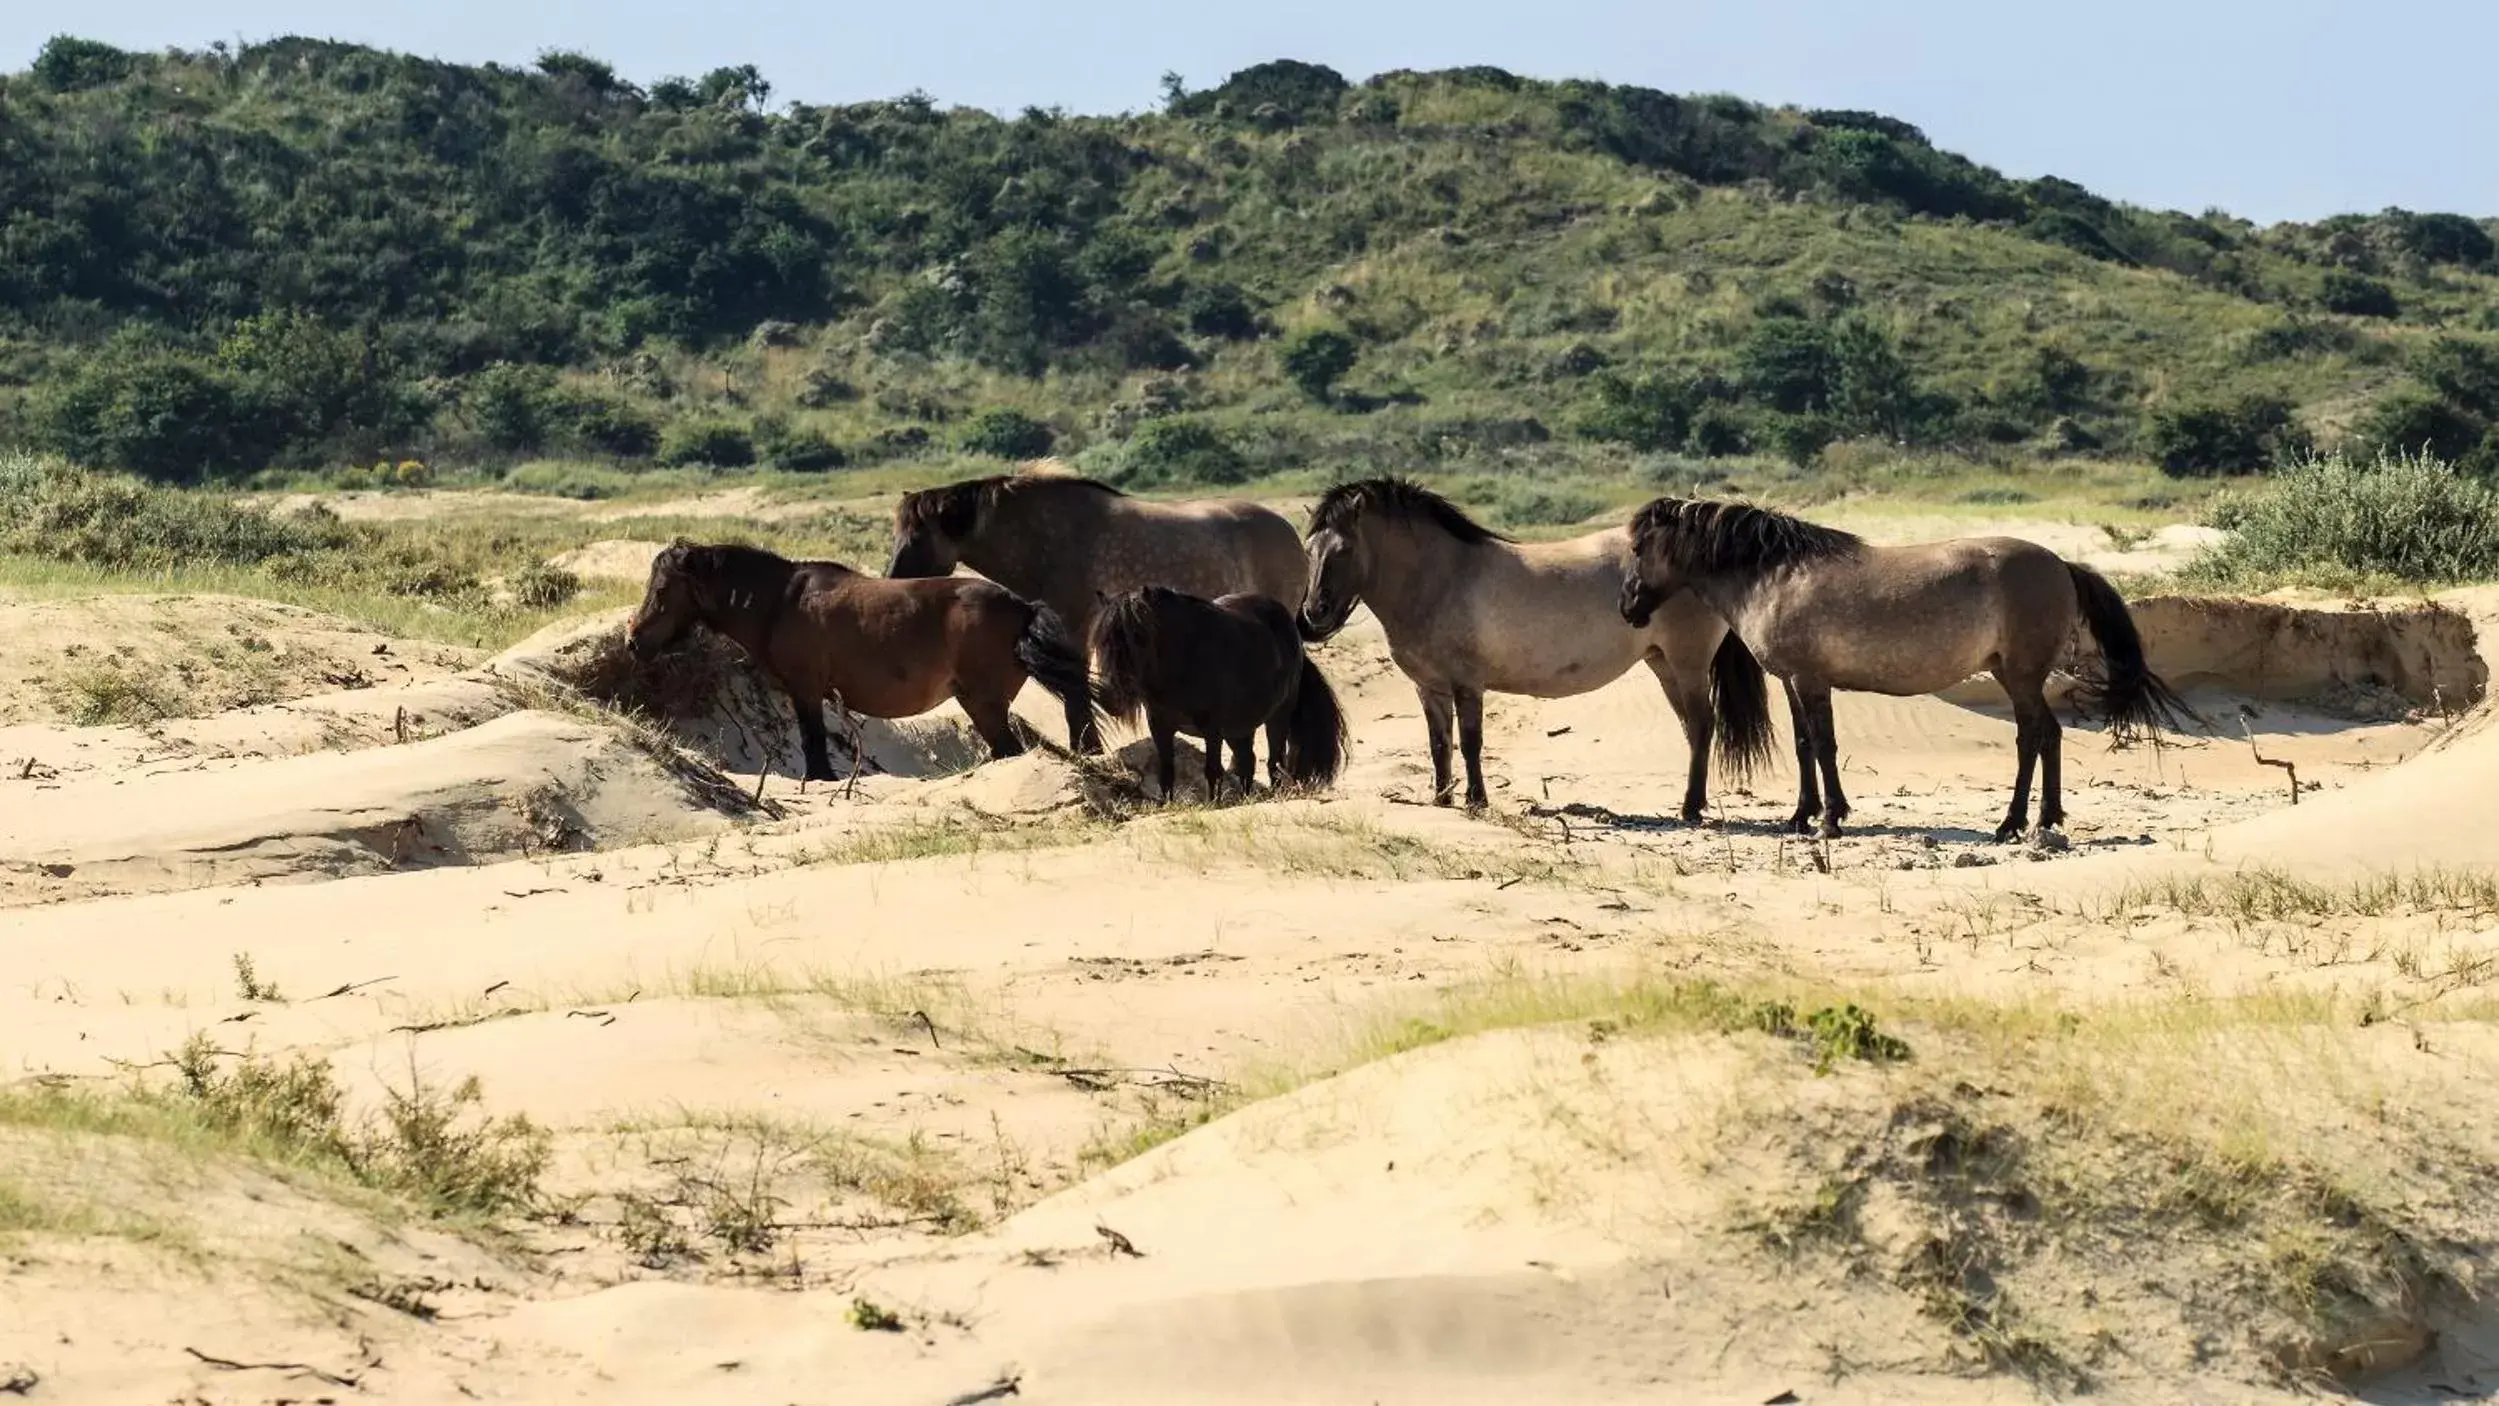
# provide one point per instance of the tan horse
(1470, 612)
(883, 649)
(1070, 543)
(1824, 609)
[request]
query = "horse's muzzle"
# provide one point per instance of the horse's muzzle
(1312, 632)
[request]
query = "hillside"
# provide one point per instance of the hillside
(304, 255)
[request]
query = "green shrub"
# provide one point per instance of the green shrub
(1180, 450)
(2416, 422)
(1786, 363)
(69, 64)
(1006, 434)
(714, 444)
(605, 424)
(2354, 295)
(1316, 358)
(511, 406)
(152, 412)
(1649, 411)
(123, 524)
(2414, 519)
(2462, 371)
(1527, 503)
(1220, 310)
(2242, 437)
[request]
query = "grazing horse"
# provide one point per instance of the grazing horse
(1219, 670)
(1071, 542)
(1824, 609)
(1470, 612)
(883, 649)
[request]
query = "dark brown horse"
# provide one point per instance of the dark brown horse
(1823, 609)
(1071, 543)
(882, 649)
(1220, 670)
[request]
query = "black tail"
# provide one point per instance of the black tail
(2129, 694)
(1740, 695)
(1054, 659)
(1315, 736)
(1123, 646)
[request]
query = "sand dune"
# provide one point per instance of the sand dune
(954, 1022)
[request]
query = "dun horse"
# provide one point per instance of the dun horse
(883, 649)
(1825, 610)
(1071, 542)
(1470, 612)
(1220, 670)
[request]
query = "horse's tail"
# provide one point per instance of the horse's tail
(1054, 659)
(1740, 695)
(1315, 736)
(2133, 698)
(1123, 651)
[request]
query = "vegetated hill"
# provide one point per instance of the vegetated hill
(303, 254)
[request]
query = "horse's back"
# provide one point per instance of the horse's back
(1208, 547)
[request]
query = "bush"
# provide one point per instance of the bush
(123, 524)
(2239, 438)
(715, 444)
(1650, 411)
(152, 412)
(2415, 519)
(511, 406)
(1220, 310)
(1180, 450)
(2356, 296)
(1006, 434)
(2463, 372)
(1786, 363)
(2415, 422)
(605, 424)
(69, 64)
(1316, 358)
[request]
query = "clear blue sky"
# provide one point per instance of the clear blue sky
(2272, 109)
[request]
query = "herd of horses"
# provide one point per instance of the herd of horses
(1196, 616)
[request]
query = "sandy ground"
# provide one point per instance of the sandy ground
(934, 1017)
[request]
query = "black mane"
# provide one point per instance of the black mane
(1706, 536)
(737, 565)
(954, 510)
(1398, 497)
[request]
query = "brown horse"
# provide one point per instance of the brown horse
(883, 649)
(1072, 542)
(1219, 670)
(1824, 609)
(1470, 612)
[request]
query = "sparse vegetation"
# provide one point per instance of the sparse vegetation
(2413, 520)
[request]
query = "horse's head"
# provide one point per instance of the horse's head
(1340, 569)
(674, 599)
(932, 527)
(1656, 572)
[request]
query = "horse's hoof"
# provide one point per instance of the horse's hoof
(814, 775)
(1830, 829)
(2008, 832)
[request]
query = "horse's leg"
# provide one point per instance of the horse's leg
(990, 720)
(2051, 767)
(1244, 762)
(811, 739)
(2037, 737)
(1277, 728)
(1084, 729)
(1808, 783)
(1470, 704)
(1700, 724)
(1827, 746)
(1163, 730)
(1438, 710)
(1214, 760)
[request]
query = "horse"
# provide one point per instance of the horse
(1469, 611)
(883, 649)
(1219, 670)
(1071, 542)
(1824, 609)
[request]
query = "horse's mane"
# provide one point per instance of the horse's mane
(736, 563)
(955, 509)
(1716, 536)
(1400, 497)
